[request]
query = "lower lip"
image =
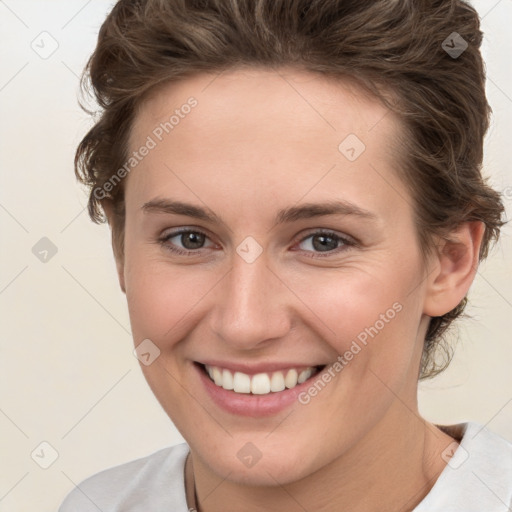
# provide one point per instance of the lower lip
(245, 404)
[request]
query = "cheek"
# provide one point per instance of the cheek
(155, 305)
(352, 302)
(161, 299)
(370, 318)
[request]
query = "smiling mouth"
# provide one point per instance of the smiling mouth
(259, 383)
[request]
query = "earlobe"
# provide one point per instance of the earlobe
(455, 266)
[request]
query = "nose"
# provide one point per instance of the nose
(252, 305)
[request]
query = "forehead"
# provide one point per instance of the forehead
(286, 129)
(318, 106)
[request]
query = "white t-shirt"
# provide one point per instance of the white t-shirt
(477, 478)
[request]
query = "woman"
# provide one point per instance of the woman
(297, 214)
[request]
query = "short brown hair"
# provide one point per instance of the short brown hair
(388, 46)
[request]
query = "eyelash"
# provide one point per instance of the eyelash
(347, 242)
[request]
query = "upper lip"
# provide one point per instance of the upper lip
(262, 367)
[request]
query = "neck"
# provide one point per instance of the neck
(392, 469)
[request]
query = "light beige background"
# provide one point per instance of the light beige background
(68, 374)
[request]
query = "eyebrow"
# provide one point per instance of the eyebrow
(290, 214)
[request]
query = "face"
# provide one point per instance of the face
(265, 242)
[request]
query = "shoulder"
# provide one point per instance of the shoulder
(151, 481)
(485, 453)
(477, 477)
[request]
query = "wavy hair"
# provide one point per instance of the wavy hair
(396, 49)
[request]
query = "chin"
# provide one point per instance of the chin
(264, 474)
(272, 465)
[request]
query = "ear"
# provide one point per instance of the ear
(454, 268)
(109, 212)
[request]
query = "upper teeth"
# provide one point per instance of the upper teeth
(260, 383)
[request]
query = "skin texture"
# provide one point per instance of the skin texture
(259, 141)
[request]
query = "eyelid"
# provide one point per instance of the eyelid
(348, 241)
(326, 231)
(163, 240)
(171, 232)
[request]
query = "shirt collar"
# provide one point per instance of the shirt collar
(478, 477)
